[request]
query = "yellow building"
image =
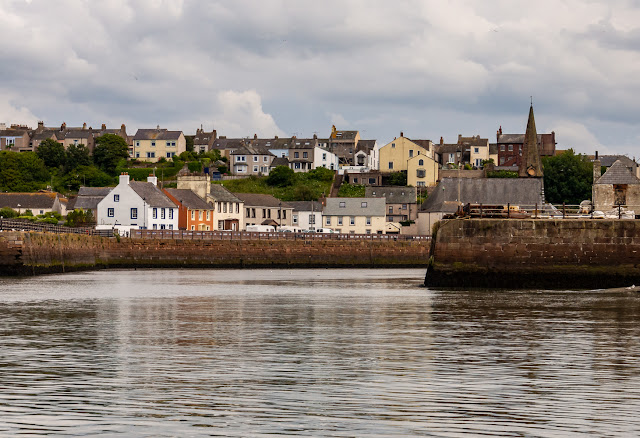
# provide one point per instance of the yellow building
(422, 171)
(394, 156)
(152, 144)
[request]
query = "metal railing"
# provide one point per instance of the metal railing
(544, 211)
(245, 235)
(27, 225)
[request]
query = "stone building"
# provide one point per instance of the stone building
(618, 186)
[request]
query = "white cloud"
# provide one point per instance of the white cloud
(13, 113)
(578, 137)
(241, 114)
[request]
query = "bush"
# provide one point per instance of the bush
(8, 213)
(351, 191)
(502, 174)
(321, 174)
(48, 220)
(281, 176)
(194, 166)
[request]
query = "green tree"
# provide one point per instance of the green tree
(22, 172)
(281, 176)
(88, 176)
(108, 152)
(76, 156)
(7, 212)
(321, 174)
(398, 179)
(189, 140)
(568, 178)
(52, 153)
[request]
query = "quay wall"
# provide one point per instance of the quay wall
(533, 253)
(23, 253)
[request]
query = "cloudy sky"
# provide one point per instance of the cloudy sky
(295, 67)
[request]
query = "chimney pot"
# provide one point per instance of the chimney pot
(104, 126)
(401, 134)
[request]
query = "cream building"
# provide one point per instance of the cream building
(394, 156)
(355, 215)
(422, 171)
(153, 144)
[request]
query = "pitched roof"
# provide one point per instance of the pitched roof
(355, 207)
(392, 194)
(306, 205)
(28, 200)
(89, 197)
(531, 164)
(618, 173)
(608, 160)
(189, 199)
(280, 161)
(366, 145)
(422, 143)
(488, 191)
(220, 193)
(260, 200)
(344, 135)
(151, 194)
(156, 134)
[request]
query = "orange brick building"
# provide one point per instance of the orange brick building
(193, 212)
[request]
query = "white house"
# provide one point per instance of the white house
(307, 215)
(324, 158)
(137, 205)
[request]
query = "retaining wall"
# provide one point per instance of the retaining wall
(530, 253)
(34, 253)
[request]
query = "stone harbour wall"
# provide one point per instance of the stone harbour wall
(35, 253)
(533, 253)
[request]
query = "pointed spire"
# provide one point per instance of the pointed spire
(530, 164)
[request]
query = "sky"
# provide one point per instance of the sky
(427, 68)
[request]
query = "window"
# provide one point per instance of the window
(352, 220)
(421, 173)
(502, 148)
(510, 147)
(153, 143)
(208, 215)
(134, 213)
(339, 220)
(342, 204)
(363, 204)
(372, 180)
(137, 154)
(324, 157)
(255, 158)
(368, 220)
(155, 213)
(200, 212)
(224, 207)
(501, 160)
(151, 154)
(297, 165)
(284, 214)
(155, 226)
(116, 198)
(327, 220)
(305, 155)
(295, 218)
(221, 225)
(168, 144)
(110, 212)
(355, 180)
(253, 212)
(137, 144)
(170, 154)
(476, 150)
(171, 226)
(264, 213)
(391, 209)
(368, 231)
(312, 219)
(404, 206)
(255, 168)
(278, 214)
(162, 213)
(171, 213)
(163, 226)
(421, 162)
(248, 212)
(390, 165)
(193, 227)
(265, 158)
(173, 143)
(296, 155)
(421, 184)
(193, 215)
(393, 145)
(410, 153)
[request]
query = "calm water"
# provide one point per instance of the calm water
(317, 353)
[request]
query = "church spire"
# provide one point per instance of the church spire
(530, 164)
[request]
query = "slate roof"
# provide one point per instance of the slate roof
(28, 200)
(13, 132)
(89, 197)
(151, 194)
(260, 200)
(306, 205)
(353, 207)
(220, 193)
(156, 134)
(488, 191)
(203, 138)
(422, 143)
(473, 141)
(189, 199)
(608, 160)
(618, 173)
(280, 161)
(393, 195)
(366, 145)
(493, 148)
(345, 135)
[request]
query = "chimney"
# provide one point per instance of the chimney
(103, 127)
(255, 136)
(315, 136)
(124, 179)
(596, 155)
(63, 126)
(84, 126)
(3, 126)
(597, 169)
(401, 134)
(153, 179)
(157, 126)
(276, 137)
(441, 141)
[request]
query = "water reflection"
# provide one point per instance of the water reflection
(311, 353)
